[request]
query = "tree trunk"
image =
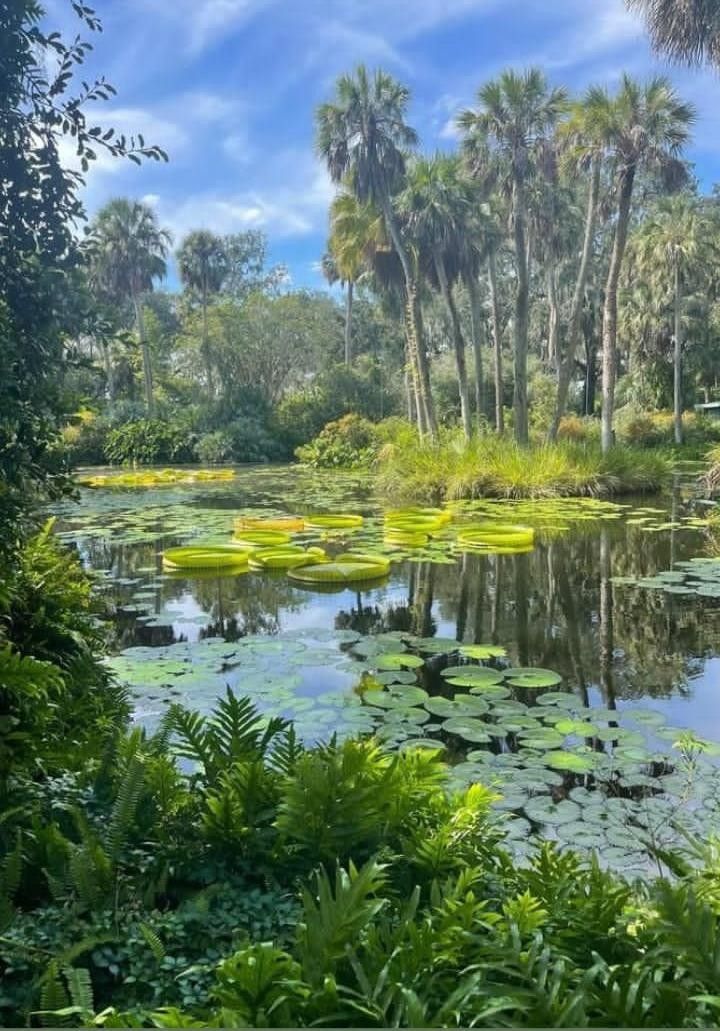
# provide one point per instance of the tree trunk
(610, 308)
(458, 345)
(520, 326)
(553, 319)
(414, 375)
(567, 363)
(109, 370)
(206, 346)
(476, 325)
(497, 341)
(145, 349)
(348, 322)
(414, 321)
(677, 358)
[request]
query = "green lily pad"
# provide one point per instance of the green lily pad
(482, 651)
(466, 727)
(532, 677)
(398, 660)
(570, 761)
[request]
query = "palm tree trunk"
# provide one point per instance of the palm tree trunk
(610, 308)
(109, 370)
(411, 365)
(458, 345)
(414, 321)
(476, 325)
(567, 363)
(497, 341)
(553, 319)
(522, 304)
(206, 346)
(677, 358)
(145, 349)
(348, 322)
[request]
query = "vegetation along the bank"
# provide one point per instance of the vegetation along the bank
(228, 801)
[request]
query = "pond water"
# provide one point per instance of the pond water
(616, 628)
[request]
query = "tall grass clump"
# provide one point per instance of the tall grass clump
(490, 466)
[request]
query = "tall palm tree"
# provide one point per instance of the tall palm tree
(355, 231)
(586, 137)
(129, 250)
(515, 116)
(674, 244)
(650, 125)
(203, 265)
(685, 30)
(364, 140)
(438, 207)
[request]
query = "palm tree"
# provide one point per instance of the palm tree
(364, 140)
(129, 250)
(202, 264)
(673, 245)
(511, 126)
(438, 207)
(586, 137)
(685, 30)
(355, 231)
(650, 126)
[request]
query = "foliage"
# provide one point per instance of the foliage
(494, 467)
(418, 915)
(351, 442)
(40, 260)
(150, 442)
(55, 696)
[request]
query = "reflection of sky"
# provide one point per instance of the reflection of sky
(699, 711)
(188, 607)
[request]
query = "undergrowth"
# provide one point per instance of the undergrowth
(219, 874)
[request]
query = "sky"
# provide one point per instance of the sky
(229, 87)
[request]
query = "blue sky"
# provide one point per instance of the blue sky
(229, 87)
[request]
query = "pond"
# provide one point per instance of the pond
(592, 704)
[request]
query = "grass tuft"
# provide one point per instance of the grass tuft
(489, 466)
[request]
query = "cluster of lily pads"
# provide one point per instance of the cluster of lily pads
(618, 781)
(156, 478)
(698, 577)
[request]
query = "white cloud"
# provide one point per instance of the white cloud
(294, 202)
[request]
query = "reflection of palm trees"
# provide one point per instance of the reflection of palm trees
(481, 581)
(606, 621)
(522, 608)
(423, 623)
(571, 612)
(463, 600)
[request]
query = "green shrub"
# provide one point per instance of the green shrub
(215, 448)
(348, 443)
(150, 442)
(55, 694)
(85, 438)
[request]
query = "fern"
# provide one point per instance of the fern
(10, 874)
(80, 989)
(125, 806)
(156, 946)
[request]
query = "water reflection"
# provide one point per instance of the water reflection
(554, 607)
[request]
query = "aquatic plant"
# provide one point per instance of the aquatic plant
(496, 467)
(156, 478)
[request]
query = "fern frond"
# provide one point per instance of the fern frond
(80, 988)
(125, 807)
(156, 946)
